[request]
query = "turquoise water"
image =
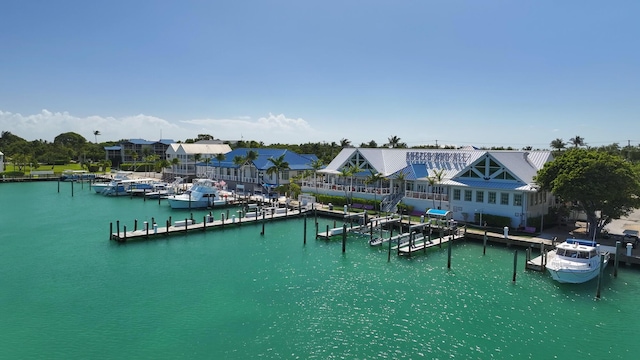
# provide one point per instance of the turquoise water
(69, 292)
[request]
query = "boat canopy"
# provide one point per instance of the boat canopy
(439, 214)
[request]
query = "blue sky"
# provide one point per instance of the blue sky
(485, 73)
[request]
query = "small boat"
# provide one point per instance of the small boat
(124, 187)
(375, 241)
(76, 175)
(204, 193)
(575, 261)
(163, 190)
(119, 176)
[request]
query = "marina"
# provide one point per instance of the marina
(236, 292)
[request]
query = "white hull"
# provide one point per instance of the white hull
(177, 203)
(573, 276)
(575, 262)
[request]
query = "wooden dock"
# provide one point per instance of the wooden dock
(422, 243)
(374, 222)
(184, 226)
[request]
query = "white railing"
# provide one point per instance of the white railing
(426, 196)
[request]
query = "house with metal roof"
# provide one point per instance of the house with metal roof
(192, 157)
(467, 182)
(252, 175)
(135, 149)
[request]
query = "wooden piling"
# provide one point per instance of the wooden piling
(186, 226)
(167, 228)
(448, 254)
(600, 276)
(344, 237)
(72, 188)
(204, 223)
(484, 242)
(135, 224)
(390, 237)
(125, 233)
(146, 224)
(515, 265)
(110, 230)
(118, 227)
(263, 221)
(615, 264)
(304, 234)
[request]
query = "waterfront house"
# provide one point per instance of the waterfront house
(1, 162)
(252, 175)
(190, 154)
(468, 182)
(133, 150)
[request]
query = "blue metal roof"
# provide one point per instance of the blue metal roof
(112, 148)
(296, 161)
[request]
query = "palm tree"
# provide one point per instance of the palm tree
(278, 166)
(345, 143)
(354, 170)
(432, 184)
(196, 159)
(243, 161)
(345, 173)
(393, 141)
(220, 157)
(400, 178)
(438, 176)
(239, 162)
(174, 162)
(577, 141)
(374, 178)
(558, 144)
(316, 165)
(95, 134)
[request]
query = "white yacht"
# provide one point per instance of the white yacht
(204, 193)
(575, 261)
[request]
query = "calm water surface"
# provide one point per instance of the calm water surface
(66, 291)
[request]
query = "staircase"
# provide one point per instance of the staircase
(390, 202)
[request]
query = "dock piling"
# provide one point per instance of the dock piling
(448, 254)
(305, 229)
(615, 264)
(515, 265)
(263, 221)
(484, 243)
(110, 230)
(600, 275)
(344, 237)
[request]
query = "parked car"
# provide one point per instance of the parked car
(631, 236)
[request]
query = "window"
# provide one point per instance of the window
(456, 194)
(517, 199)
(492, 197)
(504, 198)
(479, 196)
(467, 195)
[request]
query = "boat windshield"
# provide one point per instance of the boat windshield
(578, 253)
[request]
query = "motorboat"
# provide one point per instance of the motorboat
(119, 176)
(164, 190)
(204, 193)
(125, 187)
(76, 175)
(576, 261)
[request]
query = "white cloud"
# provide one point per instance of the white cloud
(46, 125)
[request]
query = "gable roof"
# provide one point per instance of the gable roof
(419, 164)
(296, 161)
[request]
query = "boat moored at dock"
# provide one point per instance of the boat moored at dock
(576, 261)
(204, 193)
